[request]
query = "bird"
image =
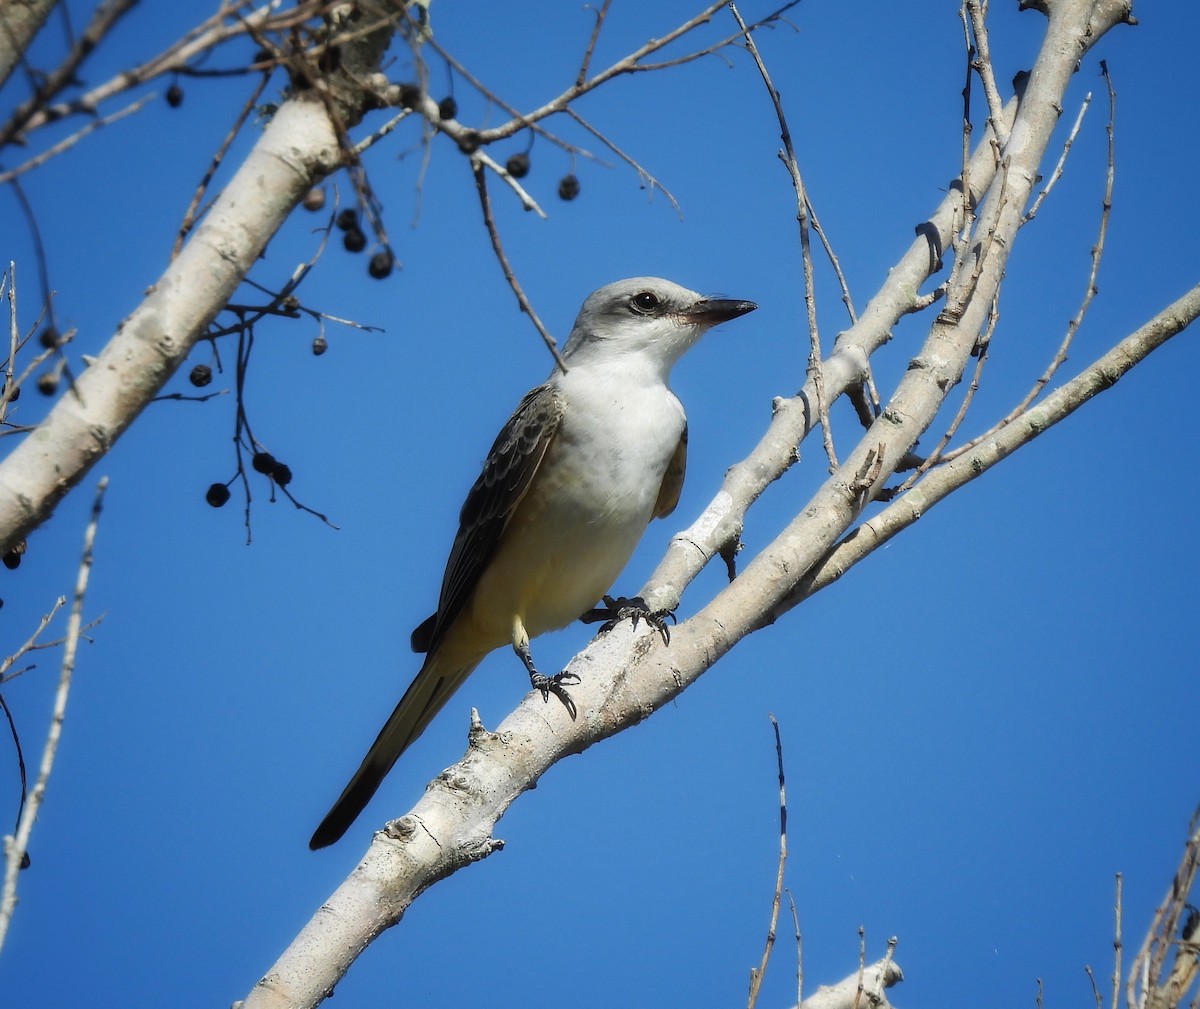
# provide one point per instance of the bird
(571, 483)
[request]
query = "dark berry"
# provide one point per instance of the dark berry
(12, 559)
(448, 108)
(381, 264)
(354, 240)
(200, 376)
(468, 143)
(217, 495)
(319, 346)
(282, 474)
(175, 95)
(314, 199)
(14, 393)
(347, 220)
(47, 383)
(518, 165)
(410, 95)
(49, 337)
(264, 56)
(263, 462)
(568, 187)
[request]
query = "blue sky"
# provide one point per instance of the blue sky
(982, 723)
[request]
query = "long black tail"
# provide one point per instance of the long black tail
(424, 698)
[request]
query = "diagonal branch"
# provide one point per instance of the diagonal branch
(16, 847)
(1100, 375)
(298, 147)
(629, 673)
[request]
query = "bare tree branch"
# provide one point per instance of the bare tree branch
(103, 20)
(16, 846)
(758, 973)
(298, 147)
(1102, 374)
(788, 156)
(498, 248)
(859, 990)
(629, 672)
(1149, 984)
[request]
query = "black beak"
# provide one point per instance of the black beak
(717, 310)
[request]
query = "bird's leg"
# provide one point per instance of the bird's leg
(548, 685)
(623, 608)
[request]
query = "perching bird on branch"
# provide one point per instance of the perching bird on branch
(568, 488)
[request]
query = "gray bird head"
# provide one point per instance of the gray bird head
(645, 316)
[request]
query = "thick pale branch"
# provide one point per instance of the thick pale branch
(233, 19)
(298, 147)
(720, 524)
(1060, 404)
(858, 990)
(627, 674)
(749, 602)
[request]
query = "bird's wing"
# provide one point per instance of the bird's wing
(672, 485)
(507, 475)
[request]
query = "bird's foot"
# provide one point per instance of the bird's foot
(555, 685)
(623, 608)
(548, 685)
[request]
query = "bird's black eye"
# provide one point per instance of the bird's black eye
(646, 302)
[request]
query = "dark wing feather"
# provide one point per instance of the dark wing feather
(507, 474)
(672, 485)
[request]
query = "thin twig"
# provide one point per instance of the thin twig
(6, 394)
(224, 24)
(757, 974)
(788, 156)
(983, 67)
(936, 456)
(847, 300)
(31, 643)
(1117, 946)
(940, 483)
(648, 181)
(485, 204)
(601, 14)
(799, 950)
(527, 201)
(964, 227)
(66, 74)
(1062, 160)
(631, 63)
(367, 142)
(1073, 326)
(16, 847)
(68, 142)
(36, 362)
(189, 217)
(961, 290)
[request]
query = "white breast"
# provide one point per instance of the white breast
(591, 501)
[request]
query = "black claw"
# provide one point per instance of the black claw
(623, 608)
(556, 685)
